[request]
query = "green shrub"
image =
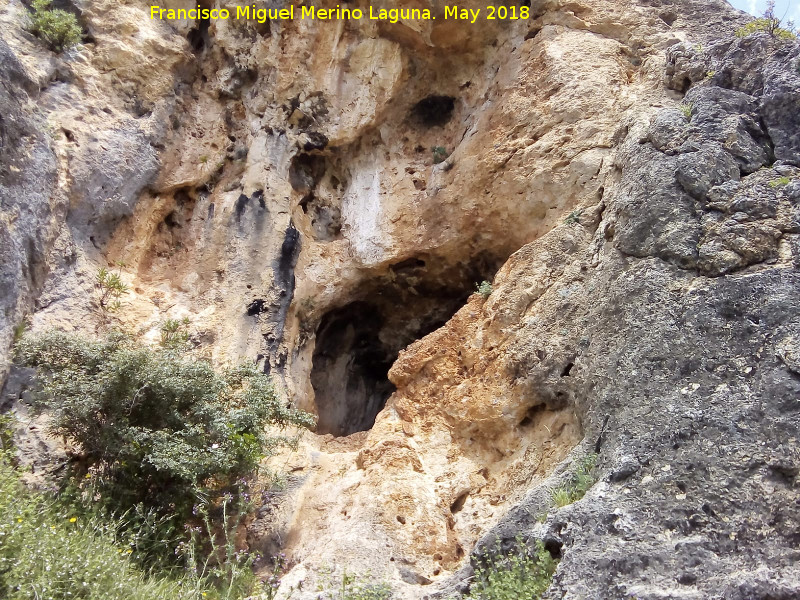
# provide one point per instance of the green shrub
(686, 109)
(7, 424)
(574, 217)
(484, 288)
(160, 431)
(440, 154)
(110, 289)
(770, 26)
(582, 479)
(174, 334)
(58, 28)
(222, 566)
(521, 573)
(19, 331)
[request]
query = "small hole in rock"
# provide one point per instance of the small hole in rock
(567, 369)
(669, 17)
(401, 519)
(459, 502)
(533, 33)
(553, 546)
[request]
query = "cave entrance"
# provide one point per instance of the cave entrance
(350, 369)
(357, 344)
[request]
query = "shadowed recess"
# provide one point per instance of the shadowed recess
(357, 344)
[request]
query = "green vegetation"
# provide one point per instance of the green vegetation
(781, 181)
(521, 573)
(174, 334)
(484, 288)
(161, 434)
(110, 288)
(440, 154)
(582, 479)
(686, 109)
(574, 217)
(770, 24)
(19, 330)
(49, 550)
(7, 423)
(58, 28)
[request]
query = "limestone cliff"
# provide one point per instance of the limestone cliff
(626, 174)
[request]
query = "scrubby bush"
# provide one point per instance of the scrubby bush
(174, 333)
(520, 573)
(779, 182)
(58, 28)
(158, 430)
(574, 217)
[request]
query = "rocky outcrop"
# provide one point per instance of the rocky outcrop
(30, 202)
(626, 175)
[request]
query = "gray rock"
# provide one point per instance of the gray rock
(689, 384)
(29, 199)
(709, 167)
(109, 173)
(731, 119)
(668, 131)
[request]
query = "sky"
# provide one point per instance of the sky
(756, 7)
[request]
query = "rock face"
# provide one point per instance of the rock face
(627, 177)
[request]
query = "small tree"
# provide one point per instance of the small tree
(770, 24)
(110, 289)
(58, 28)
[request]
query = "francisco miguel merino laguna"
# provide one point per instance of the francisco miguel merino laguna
(262, 15)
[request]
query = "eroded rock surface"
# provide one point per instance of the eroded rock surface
(625, 174)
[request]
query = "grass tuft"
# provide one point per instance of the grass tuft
(582, 479)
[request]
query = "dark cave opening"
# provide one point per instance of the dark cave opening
(356, 344)
(350, 368)
(434, 111)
